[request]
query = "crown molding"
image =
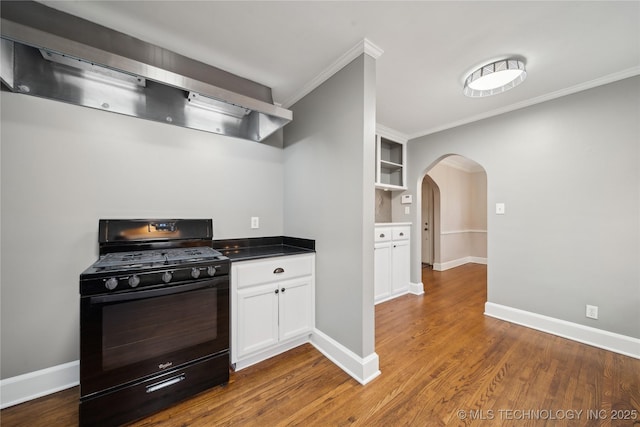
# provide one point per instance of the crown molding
(371, 49)
(392, 134)
(363, 47)
(610, 78)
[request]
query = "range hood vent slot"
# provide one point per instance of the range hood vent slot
(94, 68)
(54, 55)
(217, 106)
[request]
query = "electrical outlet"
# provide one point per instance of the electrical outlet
(500, 208)
(255, 222)
(592, 311)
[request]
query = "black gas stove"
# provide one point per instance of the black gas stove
(154, 319)
(129, 271)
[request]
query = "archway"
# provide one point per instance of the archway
(453, 213)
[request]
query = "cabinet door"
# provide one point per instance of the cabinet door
(257, 318)
(296, 308)
(382, 270)
(401, 266)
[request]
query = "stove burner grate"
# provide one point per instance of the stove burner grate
(139, 259)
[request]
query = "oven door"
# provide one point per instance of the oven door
(129, 336)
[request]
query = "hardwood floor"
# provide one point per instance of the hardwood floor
(443, 363)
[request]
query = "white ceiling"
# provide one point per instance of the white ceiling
(429, 46)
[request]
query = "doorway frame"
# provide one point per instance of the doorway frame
(432, 211)
(418, 232)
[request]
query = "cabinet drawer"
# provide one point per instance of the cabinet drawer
(383, 234)
(249, 273)
(401, 233)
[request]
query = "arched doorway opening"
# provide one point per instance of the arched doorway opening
(453, 214)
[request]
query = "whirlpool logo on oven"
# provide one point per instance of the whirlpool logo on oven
(165, 365)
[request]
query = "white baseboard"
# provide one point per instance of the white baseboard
(416, 288)
(585, 334)
(40, 383)
(361, 369)
(258, 357)
(458, 262)
(390, 297)
(413, 288)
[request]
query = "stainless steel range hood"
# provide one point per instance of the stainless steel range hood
(51, 54)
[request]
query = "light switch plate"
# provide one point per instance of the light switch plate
(255, 222)
(500, 208)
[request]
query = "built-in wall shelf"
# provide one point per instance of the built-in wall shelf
(391, 169)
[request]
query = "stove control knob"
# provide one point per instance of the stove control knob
(195, 272)
(166, 277)
(134, 281)
(211, 271)
(111, 283)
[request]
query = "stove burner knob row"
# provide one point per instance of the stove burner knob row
(167, 276)
(111, 283)
(195, 272)
(134, 281)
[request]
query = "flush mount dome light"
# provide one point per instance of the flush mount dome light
(496, 77)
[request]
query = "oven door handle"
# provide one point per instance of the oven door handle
(151, 293)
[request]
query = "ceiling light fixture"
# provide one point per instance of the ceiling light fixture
(494, 78)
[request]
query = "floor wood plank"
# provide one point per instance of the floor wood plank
(443, 363)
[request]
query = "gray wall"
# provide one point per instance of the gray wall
(568, 171)
(64, 167)
(329, 197)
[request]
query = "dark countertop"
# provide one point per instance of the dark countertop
(263, 247)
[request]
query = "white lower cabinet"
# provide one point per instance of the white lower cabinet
(392, 262)
(273, 307)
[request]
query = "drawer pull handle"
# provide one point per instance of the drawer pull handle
(278, 270)
(382, 235)
(282, 290)
(401, 234)
(158, 386)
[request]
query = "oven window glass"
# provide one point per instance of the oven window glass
(143, 329)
